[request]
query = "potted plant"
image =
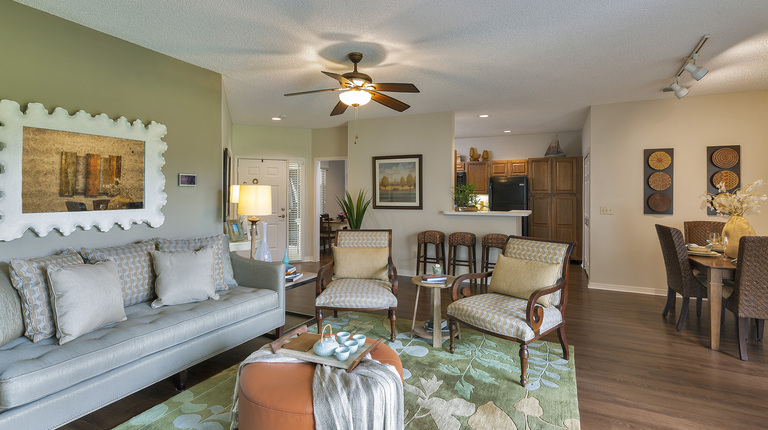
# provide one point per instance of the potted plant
(464, 198)
(354, 211)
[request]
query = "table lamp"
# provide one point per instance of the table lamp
(255, 201)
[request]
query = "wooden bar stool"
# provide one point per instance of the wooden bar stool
(493, 240)
(437, 239)
(462, 239)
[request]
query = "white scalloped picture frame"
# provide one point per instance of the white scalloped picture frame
(13, 222)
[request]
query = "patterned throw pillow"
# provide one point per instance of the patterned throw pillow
(519, 278)
(196, 244)
(134, 267)
(29, 278)
(360, 263)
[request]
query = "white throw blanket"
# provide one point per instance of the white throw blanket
(369, 397)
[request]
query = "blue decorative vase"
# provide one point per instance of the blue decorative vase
(286, 260)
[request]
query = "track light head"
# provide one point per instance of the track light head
(680, 92)
(695, 71)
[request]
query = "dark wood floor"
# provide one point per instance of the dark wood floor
(633, 369)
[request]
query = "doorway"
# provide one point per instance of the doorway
(585, 251)
(330, 182)
(275, 174)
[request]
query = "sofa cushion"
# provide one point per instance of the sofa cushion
(28, 277)
(11, 317)
(360, 263)
(183, 277)
(29, 372)
(84, 297)
(195, 244)
(134, 267)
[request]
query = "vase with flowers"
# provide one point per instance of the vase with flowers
(735, 205)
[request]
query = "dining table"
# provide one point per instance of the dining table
(717, 269)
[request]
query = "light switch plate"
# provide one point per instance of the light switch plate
(606, 210)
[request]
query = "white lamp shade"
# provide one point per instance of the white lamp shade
(355, 97)
(255, 200)
(234, 193)
(680, 92)
(695, 71)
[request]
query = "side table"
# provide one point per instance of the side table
(437, 334)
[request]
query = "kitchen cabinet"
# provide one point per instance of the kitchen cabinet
(460, 166)
(477, 175)
(509, 168)
(555, 200)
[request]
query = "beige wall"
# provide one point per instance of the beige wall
(329, 142)
(519, 146)
(432, 136)
(61, 64)
(625, 252)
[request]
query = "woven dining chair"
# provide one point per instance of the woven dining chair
(680, 277)
(698, 231)
(750, 293)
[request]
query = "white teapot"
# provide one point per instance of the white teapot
(326, 346)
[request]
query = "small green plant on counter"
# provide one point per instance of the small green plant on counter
(354, 212)
(465, 196)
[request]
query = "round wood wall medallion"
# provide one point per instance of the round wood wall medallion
(725, 158)
(659, 160)
(730, 179)
(659, 181)
(659, 202)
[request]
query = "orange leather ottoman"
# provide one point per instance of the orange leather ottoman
(279, 395)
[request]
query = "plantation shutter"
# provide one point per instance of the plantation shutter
(295, 176)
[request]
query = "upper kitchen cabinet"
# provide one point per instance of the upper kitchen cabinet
(477, 175)
(509, 168)
(554, 175)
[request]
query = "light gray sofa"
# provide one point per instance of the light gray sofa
(46, 385)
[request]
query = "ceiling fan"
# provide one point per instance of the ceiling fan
(358, 89)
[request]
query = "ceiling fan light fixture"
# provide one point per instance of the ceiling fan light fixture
(355, 97)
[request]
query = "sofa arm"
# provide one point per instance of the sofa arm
(259, 274)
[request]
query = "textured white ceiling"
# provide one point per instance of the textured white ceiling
(533, 66)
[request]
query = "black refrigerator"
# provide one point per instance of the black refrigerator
(509, 193)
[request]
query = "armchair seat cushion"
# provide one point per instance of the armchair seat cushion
(501, 314)
(357, 294)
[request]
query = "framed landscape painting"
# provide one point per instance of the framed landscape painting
(397, 182)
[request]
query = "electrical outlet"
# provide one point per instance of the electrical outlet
(606, 210)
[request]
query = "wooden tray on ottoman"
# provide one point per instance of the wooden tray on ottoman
(301, 347)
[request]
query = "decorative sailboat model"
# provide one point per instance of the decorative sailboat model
(554, 149)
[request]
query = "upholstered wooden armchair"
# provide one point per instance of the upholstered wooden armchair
(526, 297)
(360, 276)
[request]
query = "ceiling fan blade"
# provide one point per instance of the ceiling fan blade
(388, 101)
(314, 91)
(342, 80)
(400, 88)
(339, 108)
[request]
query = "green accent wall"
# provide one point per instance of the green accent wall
(55, 62)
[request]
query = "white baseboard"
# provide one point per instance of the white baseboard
(627, 289)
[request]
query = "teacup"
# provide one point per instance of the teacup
(342, 353)
(352, 345)
(360, 338)
(342, 336)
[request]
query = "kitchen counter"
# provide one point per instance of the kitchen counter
(513, 213)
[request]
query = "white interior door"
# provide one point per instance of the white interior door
(274, 173)
(585, 251)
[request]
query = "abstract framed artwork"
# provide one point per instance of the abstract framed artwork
(397, 182)
(61, 171)
(187, 180)
(658, 167)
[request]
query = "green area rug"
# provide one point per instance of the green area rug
(476, 388)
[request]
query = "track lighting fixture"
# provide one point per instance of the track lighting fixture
(689, 65)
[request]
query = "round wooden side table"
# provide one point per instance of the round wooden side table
(435, 306)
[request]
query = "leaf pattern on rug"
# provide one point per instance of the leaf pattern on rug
(441, 411)
(441, 390)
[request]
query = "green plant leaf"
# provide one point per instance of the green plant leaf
(354, 211)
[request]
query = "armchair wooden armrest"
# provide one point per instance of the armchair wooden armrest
(392, 272)
(323, 276)
(534, 312)
(465, 290)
